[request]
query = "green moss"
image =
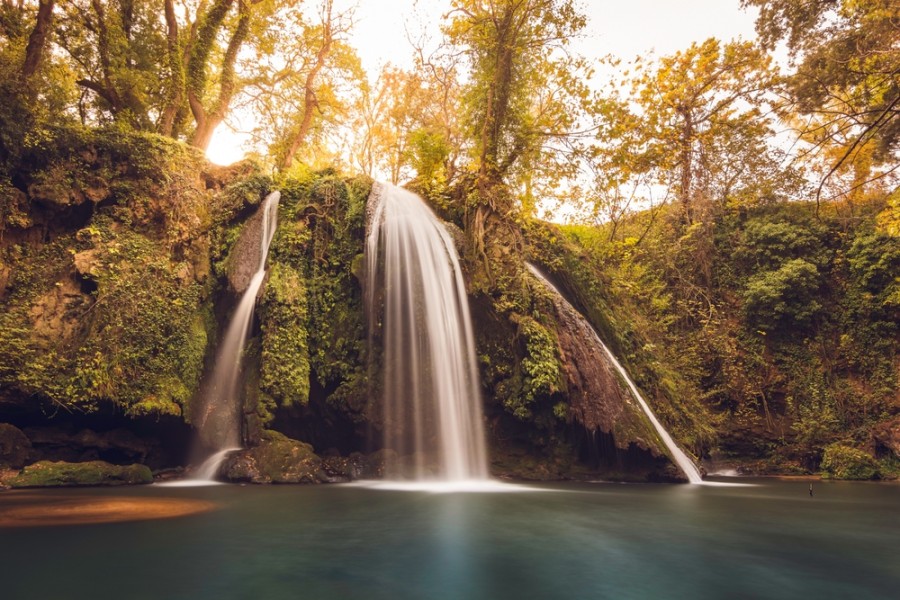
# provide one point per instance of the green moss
(93, 473)
(285, 352)
(110, 309)
(277, 459)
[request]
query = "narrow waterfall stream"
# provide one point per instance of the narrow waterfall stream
(417, 300)
(220, 420)
(681, 459)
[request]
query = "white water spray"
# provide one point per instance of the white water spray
(431, 399)
(220, 420)
(681, 459)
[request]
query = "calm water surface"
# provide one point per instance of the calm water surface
(770, 540)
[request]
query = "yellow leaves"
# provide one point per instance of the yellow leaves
(889, 219)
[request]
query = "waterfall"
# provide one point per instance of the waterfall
(220, 420)
(417, 302)
(681, 459)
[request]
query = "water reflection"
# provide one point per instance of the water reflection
(581, 541)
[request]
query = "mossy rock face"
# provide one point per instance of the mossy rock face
(93, 473)
(277, 459)
(14, 447)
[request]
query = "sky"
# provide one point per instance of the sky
(623, 28)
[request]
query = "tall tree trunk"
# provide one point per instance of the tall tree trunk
(687, 168)
(207, 121)
(176, 67)
(497, 101)
(37, 41)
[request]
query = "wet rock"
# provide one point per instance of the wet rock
(598, 398)
(357, 466)
(243, 261)
(92, 473)
(14, 447)
(277, 459)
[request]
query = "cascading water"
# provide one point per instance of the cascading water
(431, 399)
(681, 459)
(219, 422)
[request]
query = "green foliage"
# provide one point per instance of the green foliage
(512, 48)
(784, 334)
(768, 244)
(783, 298)
(285, 352)
(312, 314)
(845, 462)
(874, 260)
(146, 342)
(111, 308)
(541, 373)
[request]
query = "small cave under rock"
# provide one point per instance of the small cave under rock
(598, 450)
(328, 429)
(158, 441)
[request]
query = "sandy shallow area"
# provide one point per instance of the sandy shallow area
(34, 510)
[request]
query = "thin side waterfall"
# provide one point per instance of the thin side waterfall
(681, 459)
(417, 301)
(220, 421)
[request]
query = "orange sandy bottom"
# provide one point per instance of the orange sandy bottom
(34, 511)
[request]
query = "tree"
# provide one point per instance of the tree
(407, 122)
(385, 114)
(313, 63)
(199, 54)
(702, 114)
(114, 47)
(207, 106)
(522, 106)
(522, 80)
(846, 82)
(37, 40)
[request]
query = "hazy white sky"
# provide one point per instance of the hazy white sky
(624, 28)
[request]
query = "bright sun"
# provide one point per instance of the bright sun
(226, 147)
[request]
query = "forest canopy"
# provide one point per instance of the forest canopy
(502, 93)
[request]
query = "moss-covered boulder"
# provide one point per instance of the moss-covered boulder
(14, 447)
(93, 473)
(845, 462)
(277, 459)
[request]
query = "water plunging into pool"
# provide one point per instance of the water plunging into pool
(418, 308)
(219, 422)
(681, 459)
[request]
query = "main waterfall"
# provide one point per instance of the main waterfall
(681, 459)
(418, 306)
(219, 421)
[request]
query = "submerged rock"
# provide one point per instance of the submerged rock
(277, 459)
(93, 473)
